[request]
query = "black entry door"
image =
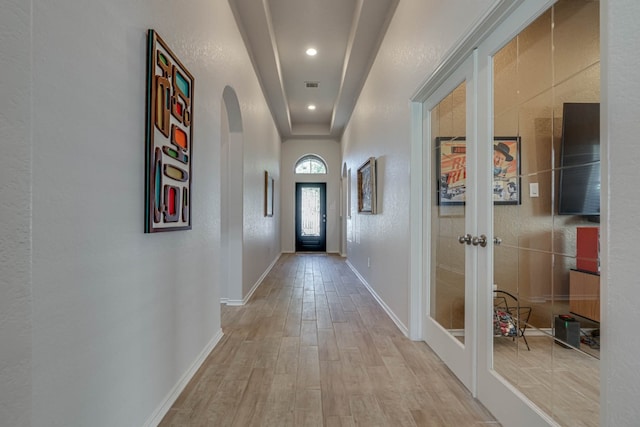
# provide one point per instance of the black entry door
(311, 217)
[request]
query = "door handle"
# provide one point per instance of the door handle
(465, 239)
(482, 240)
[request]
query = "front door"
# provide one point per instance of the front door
(311, 217)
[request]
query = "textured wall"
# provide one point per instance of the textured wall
(15, 211)
(420, 33)
(120, 316)
(329, 151)
(261, 235)
(620, 363)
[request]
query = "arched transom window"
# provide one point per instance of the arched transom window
(311, 164)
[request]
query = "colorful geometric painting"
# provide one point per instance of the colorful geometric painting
(169, 140)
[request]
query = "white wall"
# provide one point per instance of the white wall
(421, 32)
(15, 212)
(261, 234)
(292, 151)
(620, 364)
(100, 321)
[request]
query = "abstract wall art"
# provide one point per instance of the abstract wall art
(169, 140)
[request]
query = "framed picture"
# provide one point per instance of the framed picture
(269, 186)
(506, 171)
(367, 187)
(168, 140)
(349, 193)
(451, 170)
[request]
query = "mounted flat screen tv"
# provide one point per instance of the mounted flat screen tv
(579, 191)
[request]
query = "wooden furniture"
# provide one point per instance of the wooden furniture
(584, 294)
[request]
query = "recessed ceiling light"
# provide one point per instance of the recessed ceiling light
(311, 52)
(311, 107)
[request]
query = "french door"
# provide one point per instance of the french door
(459, 243)
(489, 221)
(451, 222)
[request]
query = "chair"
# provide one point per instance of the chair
(509, 318)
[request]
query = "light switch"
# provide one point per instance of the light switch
(533, 189)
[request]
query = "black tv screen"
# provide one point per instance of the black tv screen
(579, 192)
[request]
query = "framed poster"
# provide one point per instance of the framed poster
(367, 187)
(506, 171)
(168, 140)
(451, 170)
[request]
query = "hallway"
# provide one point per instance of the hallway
(314, 348)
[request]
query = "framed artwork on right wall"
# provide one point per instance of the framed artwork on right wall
(367, 187)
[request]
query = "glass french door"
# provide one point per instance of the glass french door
(450, 223)
(538, 361)
(511, 305)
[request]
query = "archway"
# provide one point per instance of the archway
(344, 213)
(231, 203)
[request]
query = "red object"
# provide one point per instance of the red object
(588, 249)
(172, 201)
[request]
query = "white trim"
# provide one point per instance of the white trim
(235, 302)
(173, 395)
(384, 306)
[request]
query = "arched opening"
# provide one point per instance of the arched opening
(344, 211)
(231, 206)
(311, 164)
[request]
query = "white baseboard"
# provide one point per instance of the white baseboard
(384, 306)
(237, 302)
(165, 406)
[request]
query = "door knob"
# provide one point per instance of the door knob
(465, 239)
(482, 240)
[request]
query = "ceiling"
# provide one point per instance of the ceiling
(346, 35)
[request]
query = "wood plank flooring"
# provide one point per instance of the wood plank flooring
(314, 348)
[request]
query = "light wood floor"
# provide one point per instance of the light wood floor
(313, 348)
(562, 382)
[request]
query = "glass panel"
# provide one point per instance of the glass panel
(546, 322)
(448, 125)
(312, 165)
(310, 211)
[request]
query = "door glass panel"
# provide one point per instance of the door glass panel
(310, 211)
(448, 130)
(546, 268)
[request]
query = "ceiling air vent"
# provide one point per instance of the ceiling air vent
(311, 84)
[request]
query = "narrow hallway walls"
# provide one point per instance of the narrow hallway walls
(106, 322)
